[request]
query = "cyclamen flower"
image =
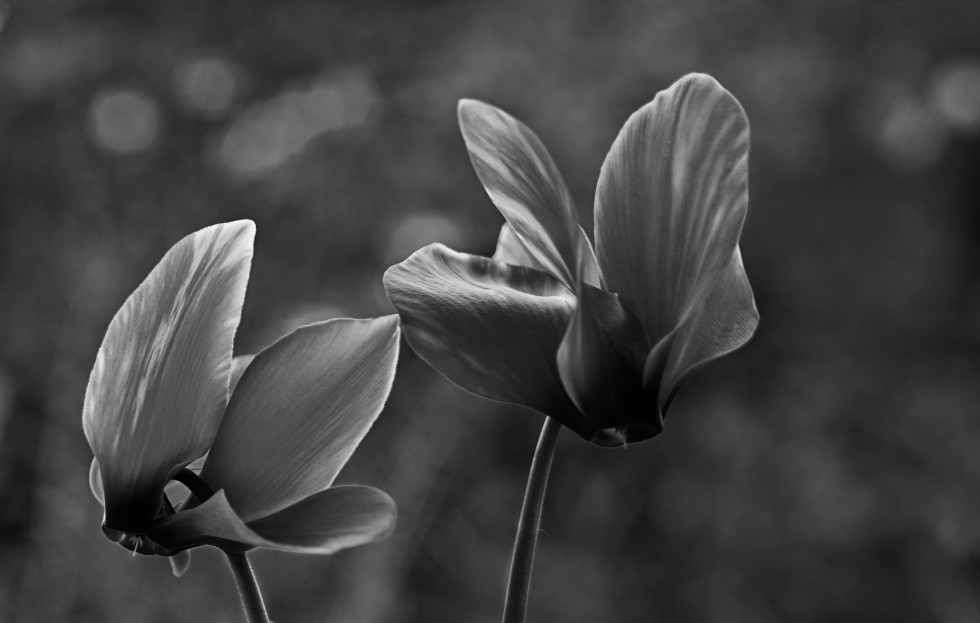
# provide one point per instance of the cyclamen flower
(599, 340)
(158, 399)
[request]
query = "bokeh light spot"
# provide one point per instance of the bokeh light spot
(268, 133)
(124, 120)
(207, 84)
(956, 94)
(911, 135)
(414, 231)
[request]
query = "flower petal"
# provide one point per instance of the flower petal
(332, 520)
(491, 328)
(511, 250)
(179, 563)
(212, 523)
(95, 482)
(671, 200)
(523, 182)
(301, 408)
(328, 521)
(160, 381)
(725, 322)
(238, 365)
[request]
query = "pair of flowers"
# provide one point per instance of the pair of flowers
(600, 339)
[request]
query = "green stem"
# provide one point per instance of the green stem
(527, 527)
(248, 587)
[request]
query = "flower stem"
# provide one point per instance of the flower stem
(248, 588)
(527, 527)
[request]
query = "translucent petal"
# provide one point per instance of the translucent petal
(323, 523)
(331, 520)
(524, 183)
(160, 381)
(725, 322)
(299, 411)
(671, 200)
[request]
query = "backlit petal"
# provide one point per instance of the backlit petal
(671, 200)
(299, 411)
(511, 250)
(524, 183)
(160, 381)
(323, 523)
(491, 328)
(331, 520)
(725, 322)
(179, 563)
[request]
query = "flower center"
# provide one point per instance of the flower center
(139, 543)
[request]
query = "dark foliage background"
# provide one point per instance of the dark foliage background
(829, 471)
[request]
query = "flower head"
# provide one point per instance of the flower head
(163, 393)
(600, 340)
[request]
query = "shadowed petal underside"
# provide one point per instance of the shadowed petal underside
(491, 328)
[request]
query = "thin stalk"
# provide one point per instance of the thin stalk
(527, 528)
(248, 586)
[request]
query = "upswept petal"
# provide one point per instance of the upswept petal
(725, 321)
(160, 380)
(523, 182)
(334, 519)
(491, 328)
(671, 200)
(511, 250)
(299, 411)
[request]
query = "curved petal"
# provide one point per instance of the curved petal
(212, 523)
(179, 563)
(511, 250)
(725, 322)
(332, 520)
(491, 328)
(328, 521)
(160, 381)
(238, 365)
(671, 199)
(95, 482)
(301, 408)
(523, 182)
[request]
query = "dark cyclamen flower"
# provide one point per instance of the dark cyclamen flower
(601, 341)
(158, 399)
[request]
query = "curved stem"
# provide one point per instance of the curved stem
(527, 528)
(248, 586)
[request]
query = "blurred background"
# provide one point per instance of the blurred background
(829, 471)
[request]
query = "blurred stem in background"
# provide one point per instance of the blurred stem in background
(527, 528)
